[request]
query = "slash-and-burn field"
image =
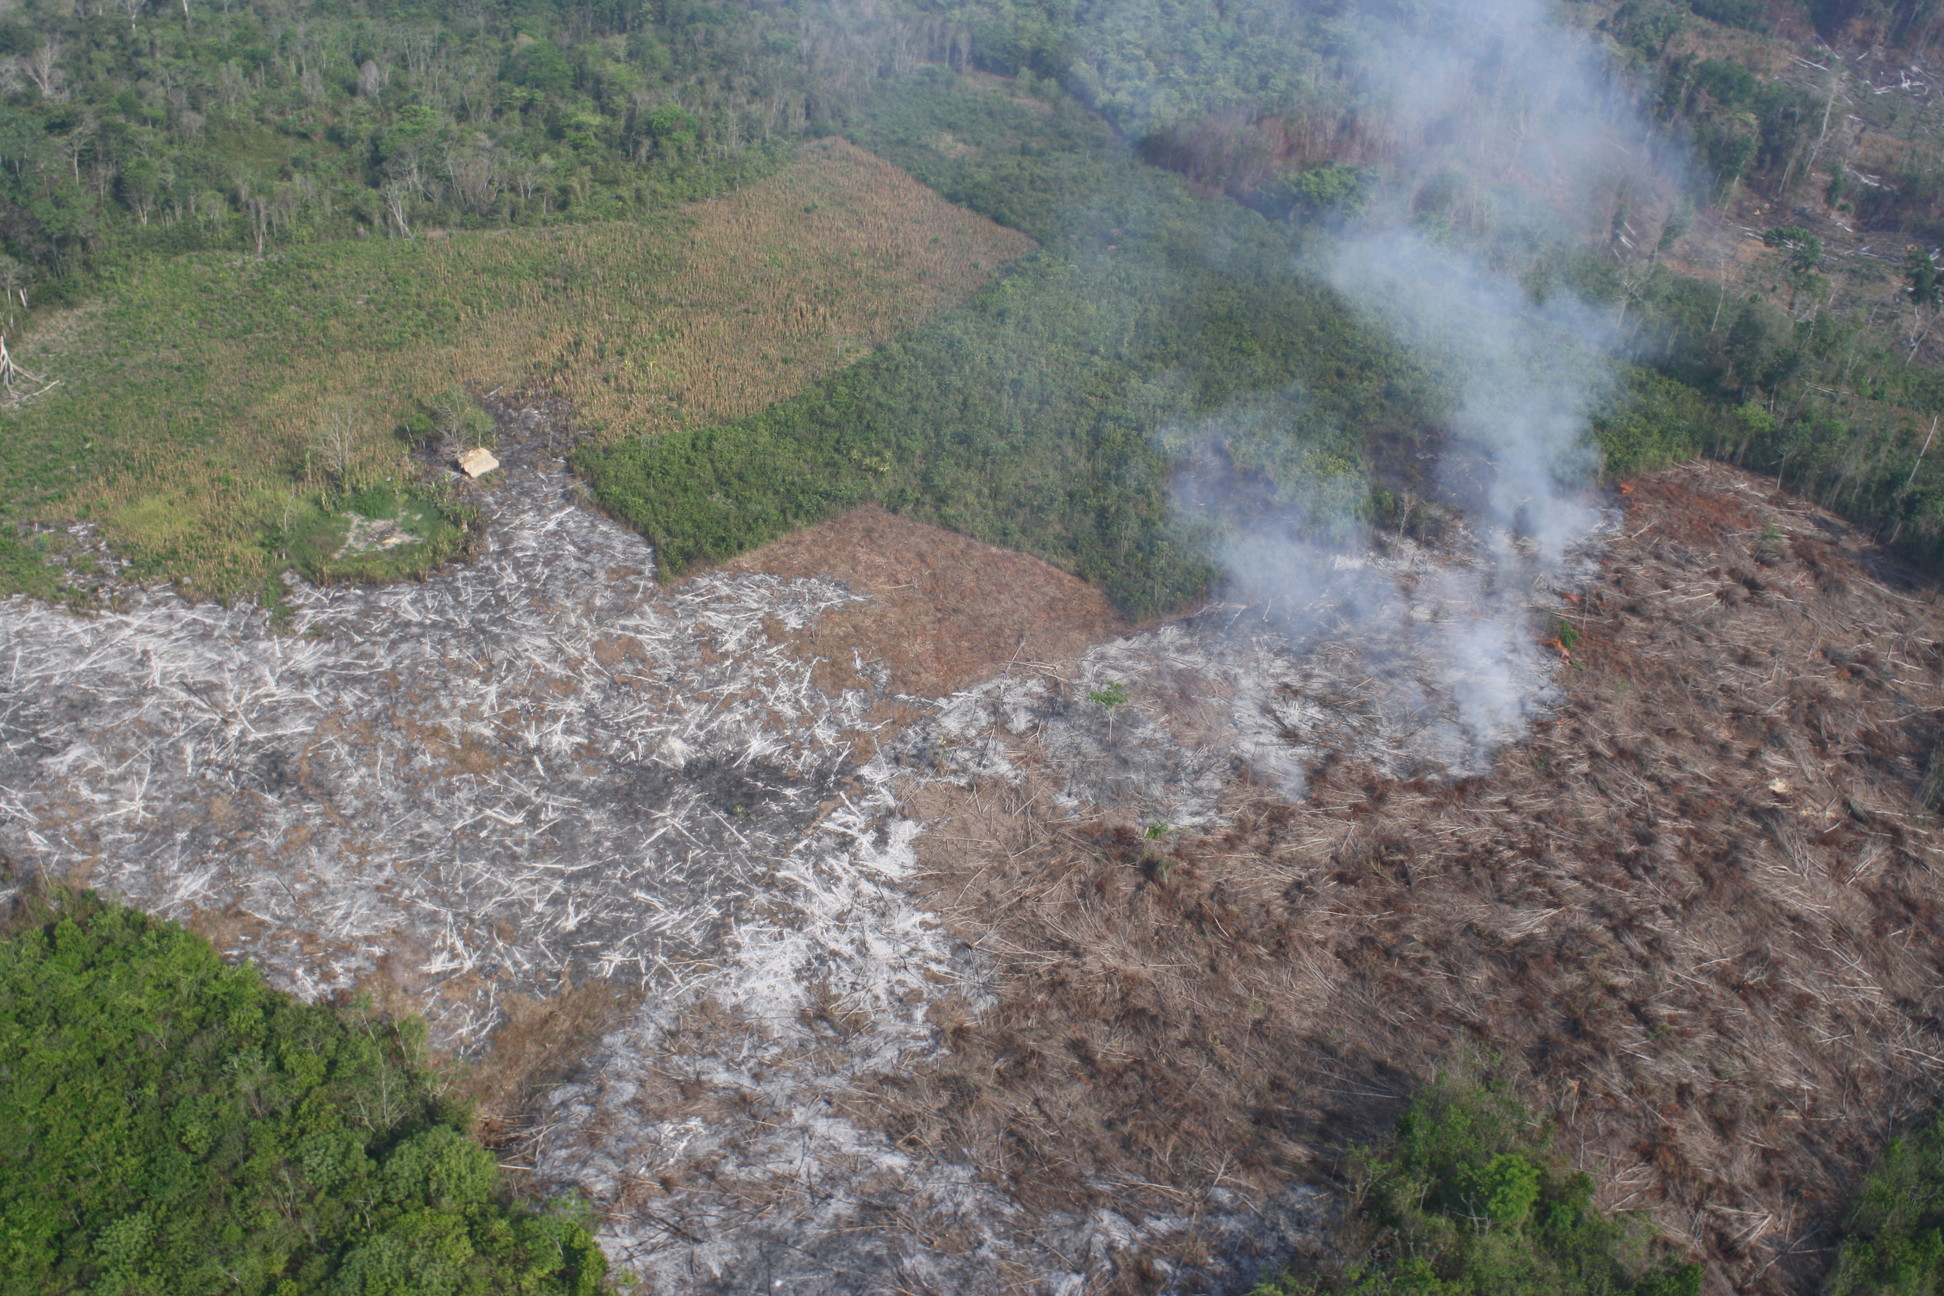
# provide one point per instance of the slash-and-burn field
(848, 932)
(1695, 915)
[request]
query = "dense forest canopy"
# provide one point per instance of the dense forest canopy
(170, 1124)
(171, 126)
(163, 127)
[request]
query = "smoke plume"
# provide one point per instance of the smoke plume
(1509, 145)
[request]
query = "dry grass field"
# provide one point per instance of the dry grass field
(775, 287)
(206, 399)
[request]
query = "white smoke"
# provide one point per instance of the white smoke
(1509, 139)
(1525, 375)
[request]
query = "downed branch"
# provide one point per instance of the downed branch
(18, 385)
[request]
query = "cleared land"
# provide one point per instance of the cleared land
(1694, 916)
(942, 611)
(213, 408)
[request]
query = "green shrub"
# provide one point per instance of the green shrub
(1895, 1243)
(1047, 414)
(170, 1126)
(1653, 421)
(1472, 1200)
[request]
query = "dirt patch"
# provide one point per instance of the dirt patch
(373, 535)
(943, 610)
(1695, 916)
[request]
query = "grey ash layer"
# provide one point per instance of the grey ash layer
(538, 763)
(531, 764)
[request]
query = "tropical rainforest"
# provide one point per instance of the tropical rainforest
(205, 206)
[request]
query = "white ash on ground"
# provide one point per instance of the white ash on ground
(1161, 724)
(538, 768)
(725, 1169)
(531, 766)
(728, 1169)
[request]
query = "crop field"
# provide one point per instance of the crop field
(214, 410)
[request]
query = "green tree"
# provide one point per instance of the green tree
(1920, 277)
(171, 1125)
(539, 66)
(1805, 249)
(1895, 1241)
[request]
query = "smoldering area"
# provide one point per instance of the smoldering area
(537, 770)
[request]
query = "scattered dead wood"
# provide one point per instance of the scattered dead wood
(1692, 913)
(1695, 915)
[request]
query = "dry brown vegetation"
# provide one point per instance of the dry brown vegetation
(777, 286)
(944, 611)
(1695, 919)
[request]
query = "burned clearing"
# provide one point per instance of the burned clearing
(1048, 983)
(1694, 915)
(527, 770)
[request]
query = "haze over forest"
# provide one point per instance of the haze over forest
(1084, 647)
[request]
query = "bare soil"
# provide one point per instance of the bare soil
(1696, 917)
(943, 611)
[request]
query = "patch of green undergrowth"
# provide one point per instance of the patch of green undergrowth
(1473, 1199)
(1895, 1241)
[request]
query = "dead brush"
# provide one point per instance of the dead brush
(1694, 923)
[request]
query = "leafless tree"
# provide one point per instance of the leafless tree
(419, 48)
(310, 65)
(18, 385)
(398, 202)
(336, 440)
(531, 178)
(475, 175)
(43, 69)
(473, 88)
(1919, 327)
(255, 200)
(15, 278)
